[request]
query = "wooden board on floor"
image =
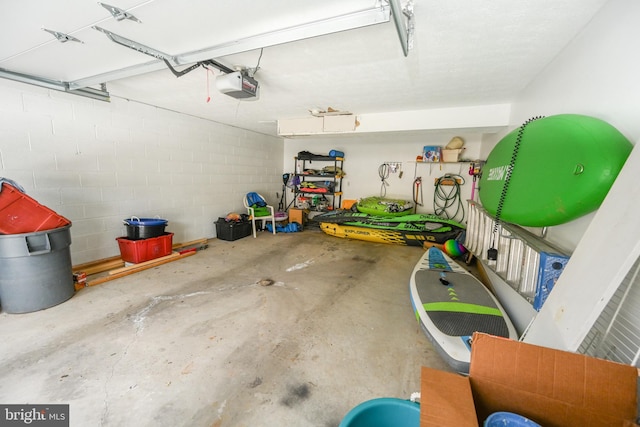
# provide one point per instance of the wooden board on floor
(99, 266)
(115, 266)
(140, 265)
(158, 262)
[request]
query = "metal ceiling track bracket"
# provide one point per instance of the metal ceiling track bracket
(139, 47)
(100, 94)
(205, 64)
(358, 19)
(376, 15)
(119, 14)
(405, 30)
(62, 37)
(168, 59)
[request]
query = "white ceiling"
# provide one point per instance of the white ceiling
(465, 53)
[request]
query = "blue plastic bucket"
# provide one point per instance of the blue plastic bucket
(383, 412)
(508, 419)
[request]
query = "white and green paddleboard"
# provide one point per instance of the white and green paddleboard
(451, 304)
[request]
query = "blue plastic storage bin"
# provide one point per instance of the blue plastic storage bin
(383, 412)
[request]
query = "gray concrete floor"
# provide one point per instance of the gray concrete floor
(199, 342)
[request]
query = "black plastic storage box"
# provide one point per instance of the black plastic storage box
(144, 228)
(232, 230)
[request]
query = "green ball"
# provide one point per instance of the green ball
(453, 248)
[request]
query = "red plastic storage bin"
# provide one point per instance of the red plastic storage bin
(136, 251)
(20, 213)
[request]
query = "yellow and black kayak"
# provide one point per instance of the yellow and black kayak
(410, 230)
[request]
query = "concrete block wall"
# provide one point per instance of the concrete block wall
(97, 163)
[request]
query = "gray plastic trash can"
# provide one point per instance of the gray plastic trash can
(35, 270)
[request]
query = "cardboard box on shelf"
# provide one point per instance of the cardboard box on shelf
(431, 153)
(551, 387)
(451, 155)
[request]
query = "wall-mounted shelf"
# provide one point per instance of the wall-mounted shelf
(439, 165)
(315, 125)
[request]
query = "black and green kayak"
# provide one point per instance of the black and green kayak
(411, 230)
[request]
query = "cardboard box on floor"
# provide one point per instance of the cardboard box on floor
(298, 215)
(551, 387)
